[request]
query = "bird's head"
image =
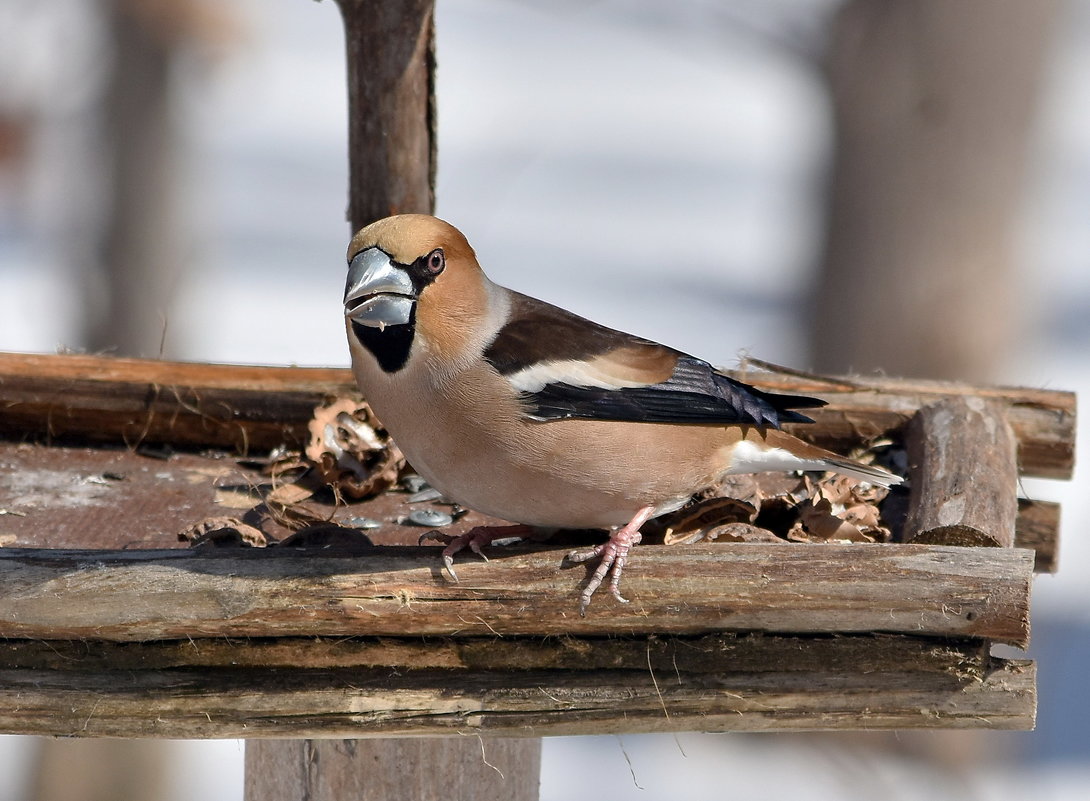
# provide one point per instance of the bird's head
(411, 275)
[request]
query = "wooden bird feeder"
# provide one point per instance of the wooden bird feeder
(112, 627)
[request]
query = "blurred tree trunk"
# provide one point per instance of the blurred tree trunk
(132, 266)
(933, 107)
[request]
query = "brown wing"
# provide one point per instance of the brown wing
(566, 366)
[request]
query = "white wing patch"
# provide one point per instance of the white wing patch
(574, 372)
(748, 457)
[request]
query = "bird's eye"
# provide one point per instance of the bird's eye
(436, 261)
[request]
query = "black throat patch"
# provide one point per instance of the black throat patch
(391, 345)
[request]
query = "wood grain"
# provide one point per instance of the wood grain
(137, 401)
(966, 658)
(864, 409)
(126, 595)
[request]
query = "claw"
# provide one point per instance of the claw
(448, 563)
(614, 557)
(436, 535)
(475, 546)
(473, 539)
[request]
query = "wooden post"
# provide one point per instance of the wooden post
(377, 770)
(391, 108)
(106, 399)
(392, 156)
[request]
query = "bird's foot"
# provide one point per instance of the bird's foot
(614, 556)
(474, 539)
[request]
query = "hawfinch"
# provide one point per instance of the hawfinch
(526, 412)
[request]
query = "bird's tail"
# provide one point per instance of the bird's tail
(769, 449)
(863, 472)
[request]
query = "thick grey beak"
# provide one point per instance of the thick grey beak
(378, 292)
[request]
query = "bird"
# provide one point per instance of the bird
(527, 412)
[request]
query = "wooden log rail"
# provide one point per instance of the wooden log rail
(624, 686)
(245, 407)
(400, 591)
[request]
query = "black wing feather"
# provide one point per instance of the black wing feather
(695, 393)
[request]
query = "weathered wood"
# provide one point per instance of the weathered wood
(245, 407)
(707, 653)
(964, 474)
(417, 768)
(126, 595)
(370, 687)
(391, 108)
(377, 702)
(1038, 528)
(138, 401)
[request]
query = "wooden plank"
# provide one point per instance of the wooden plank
(381, 702)
(417, 768)
(245, 407)
(964, 474)
(112, 497)
(126, 595)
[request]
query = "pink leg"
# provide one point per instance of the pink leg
(474, 539)
(614, 554)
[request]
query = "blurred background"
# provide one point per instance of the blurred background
(860, 185)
